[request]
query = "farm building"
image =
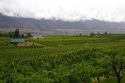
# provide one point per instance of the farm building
(20, 42)
(16, 40)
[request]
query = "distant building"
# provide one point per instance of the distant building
(37, 35)
(16, 40)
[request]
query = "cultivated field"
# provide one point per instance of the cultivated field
(64, 59)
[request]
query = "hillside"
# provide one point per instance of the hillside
(42, 24)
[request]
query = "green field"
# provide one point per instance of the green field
(63, 59)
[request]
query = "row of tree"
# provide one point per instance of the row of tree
(15, 34)
(75, 67)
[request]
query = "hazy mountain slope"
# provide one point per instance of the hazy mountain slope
(18, 22)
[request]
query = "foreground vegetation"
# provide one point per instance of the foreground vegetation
(64, 59)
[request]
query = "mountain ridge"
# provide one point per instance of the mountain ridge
(40, 24)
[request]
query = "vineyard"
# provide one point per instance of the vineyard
(64, 59)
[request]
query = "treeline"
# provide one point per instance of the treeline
(75, 67)
(15, 34)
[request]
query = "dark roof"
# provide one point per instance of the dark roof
(17, 40)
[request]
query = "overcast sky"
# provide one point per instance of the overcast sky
(109, 10)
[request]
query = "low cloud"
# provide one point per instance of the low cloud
(109, 10)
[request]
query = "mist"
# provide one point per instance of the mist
(69, 10)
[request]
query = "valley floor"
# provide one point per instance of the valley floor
(61, 59)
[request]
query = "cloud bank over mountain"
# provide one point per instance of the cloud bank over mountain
(69, 10)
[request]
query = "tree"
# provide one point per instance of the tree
(105, 33)
(116, 60)
(83, 70)
(92, 34)
(29, 35)
(22, 35)
(100, 68)
(17, 33)
(98, 34)
(80, 34)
